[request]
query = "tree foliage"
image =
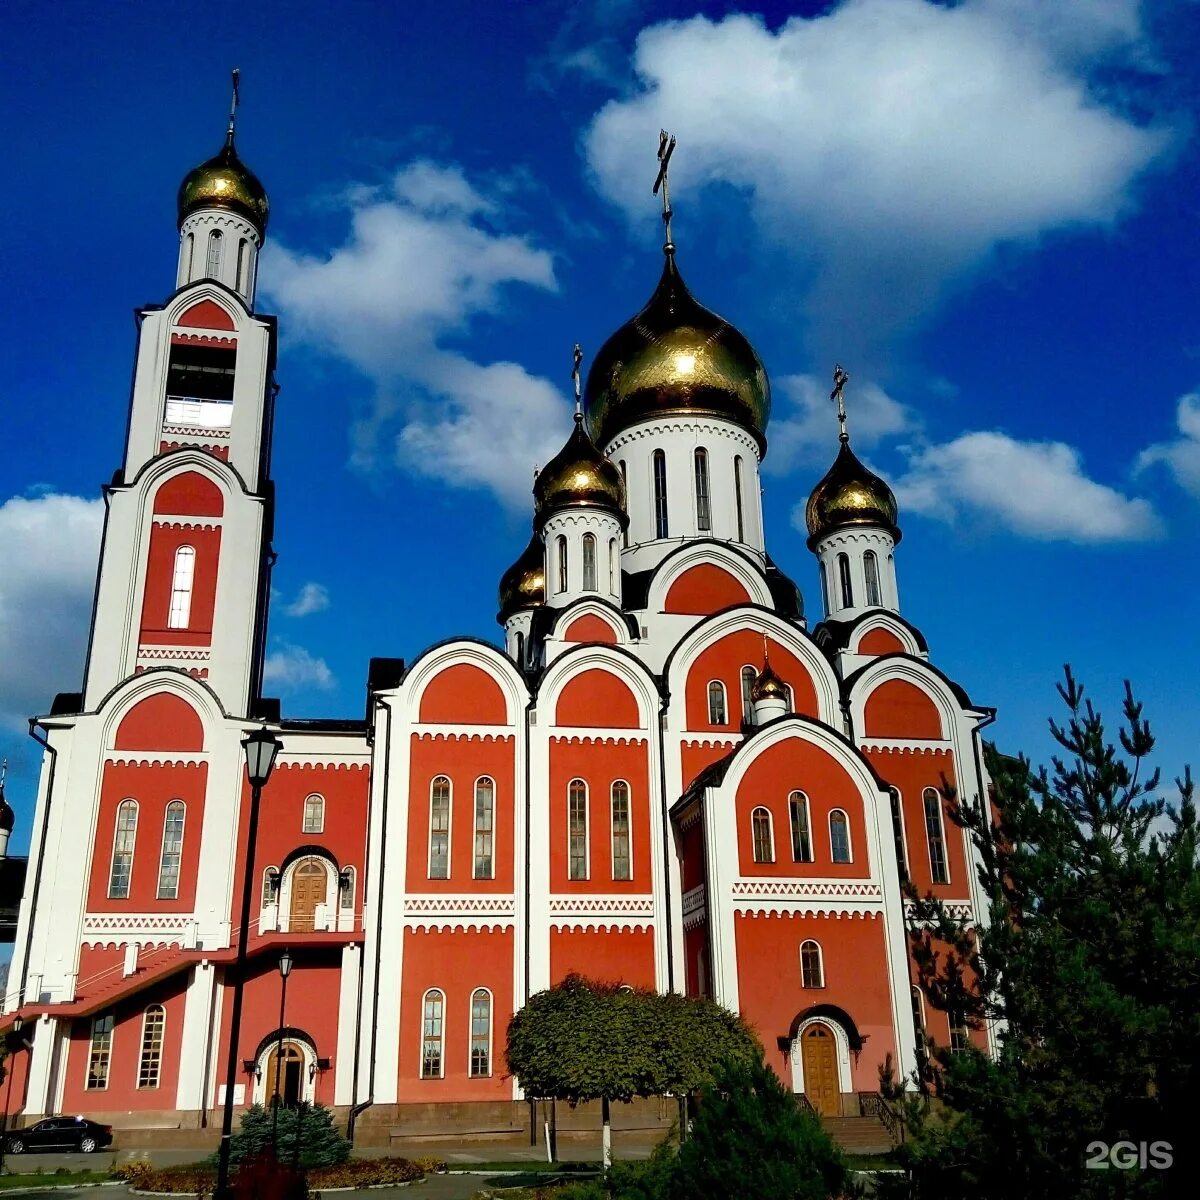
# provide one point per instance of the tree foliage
(307, 1136)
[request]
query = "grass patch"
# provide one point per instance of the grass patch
(60, 1178)
(872, 1162)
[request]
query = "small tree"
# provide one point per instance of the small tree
(307, 1137)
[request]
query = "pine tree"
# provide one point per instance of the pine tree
(306, 1136)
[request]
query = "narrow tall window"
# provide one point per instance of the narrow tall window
(749, 675)
(172, 851)
(189, 256)
(839, 837)
(812, 972)
(314, 814)
(825, 588)
(181, 588)
(960, 1037)
(270, 888)
(871, 571)
(622, 862)
(918, 1012)
(801, 835)
(761, 836)
(241, 265)
(100, 1053)
(737, 498)
(843, 564)
(124, 837)
(439, 828)
(485, 817)
(154, 1021)
(560, 553)
(717, 712)
(612, 566)
(898, 834)
(481, 1033)
(660, 494)
(577, 830)
(346, 890)
(214, 254)
(703, 504)
(589, 563)
(625, 481)
(935, 835)
(432, 1034)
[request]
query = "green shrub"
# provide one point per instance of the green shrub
(320, 1144)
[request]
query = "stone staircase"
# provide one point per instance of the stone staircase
(859, 1135)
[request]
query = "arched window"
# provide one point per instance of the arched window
(589, 563)
(181, 588)
(703, 504)
(839, 836)
(935, 835)
(791, 697)
(124, 836)
(660, 494)
(843, 565)
(172, 851)
(314, 814)
(824, 587)
(214, 254)
(622, 855)
(521, 650)
(481, 1033)
(577, 830)
(717, 713)
(762, 836)
(270, 887)
(625, 481)
(439, 828)
(241, 265)
(154, 1023)
(560, 553)
(918, 1011)
(871, 570)
(433, 1033)
(749, 675)
(737, 498)
(898, 834)
(189, 257)
(485, 824)
(812, 971)
(612, 566)
(100, 1053)
(801, 832)
(346, 879)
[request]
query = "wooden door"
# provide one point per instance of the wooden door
(289, 1084)
(819, 1056)
(308, 890)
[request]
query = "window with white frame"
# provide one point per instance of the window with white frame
(100, 1053)
(612, 566)
(439, 828)
(871, 571)
(659, 464)
(843, 566)
(182, 576)
(625, 480)
(314, 814)
(270, 887)
(589, 563)
(154, 1023)
(124, 837)
(172, 851)
(577, 830)
(839, 836)
(481, 1033)
(801, 832)
(898, 834)
(622, 858)
(824, 586)
(241, 265)
(485, 823)
(213, 268)
(935, 835)
(433, 1032)
(960, 1036)
(716, 703)
(762, 836)
(189, 255)
(812, 970)
(749, 675)
(737, 498)
(560, 554)
(918, 1012)
(346, 889)
(703, 502)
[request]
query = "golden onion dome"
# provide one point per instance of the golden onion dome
(523, 585)
(849, 496)
(768, 686)
(676, 357)
(224, 181)
(579, 476)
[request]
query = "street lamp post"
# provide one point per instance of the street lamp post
(15, 1042)
(261, 747)
(285, 969)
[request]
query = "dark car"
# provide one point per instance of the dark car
(60, 1133)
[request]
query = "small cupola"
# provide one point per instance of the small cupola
(768, 693)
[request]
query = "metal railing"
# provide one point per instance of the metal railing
(872, 1104)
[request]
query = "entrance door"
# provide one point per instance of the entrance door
(818, 1053)
(290, 1080)
(308, 890)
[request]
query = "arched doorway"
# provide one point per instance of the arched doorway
(818, 1056)
(309, 887)
(288, 1065)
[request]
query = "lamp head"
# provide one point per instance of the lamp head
(261, 747)
(285, 964)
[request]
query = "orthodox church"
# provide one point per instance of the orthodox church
(668, 775)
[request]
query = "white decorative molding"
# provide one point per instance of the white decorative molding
(167, 521)
(181, 653)
(166, 758)
(816, 889)
(173, 929)
(956, 910)
(602, 907)
(695, 906)
(457, 905)
(908, 745)
(201, 431)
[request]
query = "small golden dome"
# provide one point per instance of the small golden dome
(768, 686)
(579, 476)
(224, 181)
(676, 356)
(849, 495)
(523, 585)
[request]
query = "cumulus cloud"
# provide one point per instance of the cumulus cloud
(1037, 489)
(1182, 456)
(291, 668)
(888, 147)
(48, 547)
(311, 598)
(422, 259)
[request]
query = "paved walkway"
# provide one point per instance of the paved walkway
(452, 1186)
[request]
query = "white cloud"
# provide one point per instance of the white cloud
(1181, 456)
(887, 146)
(292, 668)
(48, 550)
(418, 265)
(311, 598)
(1036, 489)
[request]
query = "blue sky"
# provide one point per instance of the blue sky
(988, 211)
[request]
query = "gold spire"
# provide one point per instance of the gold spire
(666, 147)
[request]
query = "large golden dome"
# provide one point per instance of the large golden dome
(523, 585)
(849, 495)
(224, 181)
(676, 356)
(579, 476)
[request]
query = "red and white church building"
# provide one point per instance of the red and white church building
(666, 775)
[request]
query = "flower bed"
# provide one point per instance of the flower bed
(199, 1179)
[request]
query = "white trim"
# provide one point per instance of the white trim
(308, 1060)
(321, 814)
(842, 1043)
(819, 986)
(724, 702)
(138, 1086)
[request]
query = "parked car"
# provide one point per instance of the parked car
(60, 1133)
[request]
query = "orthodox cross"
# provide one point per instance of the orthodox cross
(3, 773)
(840, 379)
(237, 74)
(666, 147)
(577, 359)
